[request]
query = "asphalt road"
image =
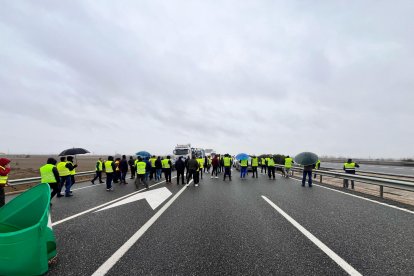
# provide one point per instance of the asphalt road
(375, 168)
(231, 228)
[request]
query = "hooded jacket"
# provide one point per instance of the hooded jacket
(3, 163)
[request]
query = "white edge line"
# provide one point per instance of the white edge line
(361, 197)
(105, 267)
(102, 205)
(341, 262)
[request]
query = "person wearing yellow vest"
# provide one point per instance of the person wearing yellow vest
(288, 166)
(4, 177)
(200, 161)
(109, 167)
(227, 166)
(270, 162)
(141, 171)
(317, 167)
(349, 167)
(263, 165)
(98, 170)
(50, 175)
(64, 169)
(166, 166)
(117, 172)
(243, 168)
(72, 169)
(152, 169)
(255, 164)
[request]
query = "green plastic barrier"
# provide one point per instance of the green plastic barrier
(27, 241)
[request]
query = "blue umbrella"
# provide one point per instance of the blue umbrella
(242, 156)
(144, 154)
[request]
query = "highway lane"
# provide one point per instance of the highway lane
(228, 228)
(375, 168)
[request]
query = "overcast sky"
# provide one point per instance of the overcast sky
(332, 77)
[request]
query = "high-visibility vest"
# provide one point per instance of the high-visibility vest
(135, 162)
(165, 163)
(243, 163)
(270, 162)
(349, 167)
(318, 164)
(263, 161)
(3, 178)
(108, 167)
(117, 166)
(255, 162)
(46, 173)
(209, 161)
(62, 169)
(288, 162)
(227, 161)
(201, 162)
(72, 172)
(141, 167)
(152, 160)
(100, 165)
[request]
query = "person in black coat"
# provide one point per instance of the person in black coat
(180, 166)
(123, 167)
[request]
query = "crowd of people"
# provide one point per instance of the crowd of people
(61, 174)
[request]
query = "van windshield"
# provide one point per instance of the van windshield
(181, 151)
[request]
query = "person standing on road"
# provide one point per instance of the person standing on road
(243, 168)
(349, 167)
(50, 175)
(270, 162)
(254, 164)
(65, 178)
(201, 163)
(222, 162)
(109, 170)
(288, 166)
(72, 170)
(307, 171)
(123, 167)
(117, 172)
(227, 167)
(131, 163)
(4, 178)
(180, 167)
(317, 167)
(215, 164)
(193, 166)
(98, 170)
(147, 169)
(153, 168)
(263, 165)
(141, 171)
(158, 169)
(166, 165)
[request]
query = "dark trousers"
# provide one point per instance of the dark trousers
(72, 180)
(227, 171)
(254, 171)
(180, 173)
(67, 182)
(140, 180)
(117, 176)
(263, 168)
(98, 175)
(346, 181)
(214, 171)
(200, 173)
(132, 168)
(309, 174)
(55, 189)
(123, 176)
(192, 174)
(109, 178)
(167, 173)
(152, 173)
(2, 196)
(271, 172)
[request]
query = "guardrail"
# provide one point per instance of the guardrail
(372, 172)
(381, 182)
(31, 180)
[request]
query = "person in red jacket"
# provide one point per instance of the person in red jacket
(215, 163)
(4, 176)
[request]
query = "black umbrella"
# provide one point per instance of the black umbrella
(73, 151)
(306, 158)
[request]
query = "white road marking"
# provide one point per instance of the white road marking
(105, 267)
(364, 198)
(102, 205)
(90, 186)
(335, 257)
(154, 198)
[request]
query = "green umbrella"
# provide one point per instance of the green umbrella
(306, 158)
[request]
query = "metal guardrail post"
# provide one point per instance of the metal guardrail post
(381, 191)
(320, 178)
